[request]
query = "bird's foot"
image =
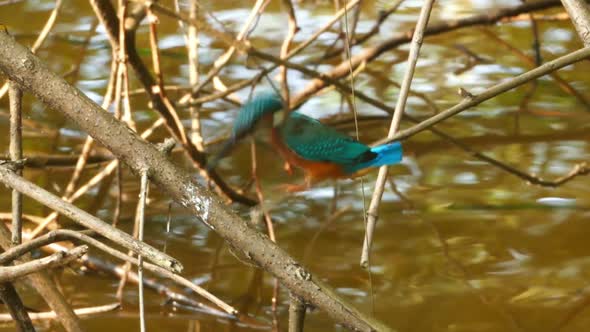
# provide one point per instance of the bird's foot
(288, 168)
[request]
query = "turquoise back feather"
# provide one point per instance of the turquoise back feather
(312, 140)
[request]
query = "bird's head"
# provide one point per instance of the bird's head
(261, 108)
(263, 105)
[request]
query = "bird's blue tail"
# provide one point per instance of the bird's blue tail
(387, 154)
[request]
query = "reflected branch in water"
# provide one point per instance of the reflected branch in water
(561, 83)
(464, 278)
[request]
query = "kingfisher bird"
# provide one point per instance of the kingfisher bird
(319, 150)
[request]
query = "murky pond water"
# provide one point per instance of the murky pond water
(467, 247)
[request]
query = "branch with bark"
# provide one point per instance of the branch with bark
(32, 75)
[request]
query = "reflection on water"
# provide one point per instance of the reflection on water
(468, 247)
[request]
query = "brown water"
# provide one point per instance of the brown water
(469, 248)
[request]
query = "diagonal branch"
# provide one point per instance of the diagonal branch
(32, 75)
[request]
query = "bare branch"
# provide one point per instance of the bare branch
(580, 15)
(87, 220)
(373, 212)
(178, 183)
(79, 311)
(10, 273)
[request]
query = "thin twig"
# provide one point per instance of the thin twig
(225, 57)
(563, 84)
(64, 234)
(10, 273)
(87, 220)
(383, 15)
(17, 311)
(192, 44)
(80, 311)
(373, 212)
(493, 91)
(46, 288)
(293, 28)
(141, 218)
(269, 228)
(16, 153)
(296, 314)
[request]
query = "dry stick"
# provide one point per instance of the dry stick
(79, 311)
(123, 72)
(65, 234)
(8, 293)
(141, 211)
(16, 153)
(89, 143)
(579, 13)
(82, 160)
(563, 84)
(493, 91)
(41, 38)
(540, 17)
(352, 105)
(225, 57)
(528, 95)
(192, 45)
(373, 212)
(85, 219)
(59, 161)
(269, 228)
(45, 286)
(26, 69)
(11, 273)
(17, 311)
(158, 89)
(296, 314)
(293, 28)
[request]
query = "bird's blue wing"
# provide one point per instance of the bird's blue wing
(312, 140)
